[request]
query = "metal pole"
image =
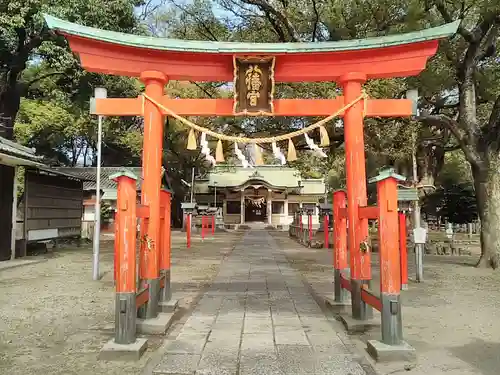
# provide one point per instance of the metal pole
(214, 217)
(416, 221)
(99, 93)
(192, 184)
(419, 248)
(188, 231)
(327, 232)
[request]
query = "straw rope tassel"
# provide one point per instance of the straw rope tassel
(258, 155)
(191, 145)
(219, 152)
(325, 139)
(292, 155)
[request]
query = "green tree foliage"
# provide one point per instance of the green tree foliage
(25, 40)
(43, 86)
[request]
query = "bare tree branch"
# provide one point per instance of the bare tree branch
(42, 77)
(447, 17)
(150, 7)
(482, 27)
(462, 138)
(276, 27)
(489, 46)
(492, 131)
(231, 5)
(266, 7)
(201, 22)
(316, 21)
(441, 103)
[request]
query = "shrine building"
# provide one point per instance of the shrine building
(263, 195)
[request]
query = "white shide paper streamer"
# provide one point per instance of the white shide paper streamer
(205, 150)
(313, 146)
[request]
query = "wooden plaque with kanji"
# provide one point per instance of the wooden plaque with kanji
(253, 85)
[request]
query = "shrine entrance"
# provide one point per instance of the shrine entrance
(254, 68)
(255, 209)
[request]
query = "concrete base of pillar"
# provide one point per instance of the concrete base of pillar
(112, 351)
(150, 309)
(168, 306)
(155, 326)
(381, 352)
(358, 326)
(166, 291)
(404, 286)
(338, 307)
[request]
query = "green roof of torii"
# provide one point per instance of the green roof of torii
(178, 45)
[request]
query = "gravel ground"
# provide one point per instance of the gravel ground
(451, 319)
(55, 319)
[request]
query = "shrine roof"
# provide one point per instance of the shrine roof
(194, 46)
(273, 176)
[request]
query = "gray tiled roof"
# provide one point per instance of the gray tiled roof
(20, 151)
(88, 174)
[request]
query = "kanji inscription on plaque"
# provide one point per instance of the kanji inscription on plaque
(253, 85)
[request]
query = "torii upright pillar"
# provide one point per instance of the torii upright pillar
(150, 192)
(356, 192)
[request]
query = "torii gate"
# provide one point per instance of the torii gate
(349, 63)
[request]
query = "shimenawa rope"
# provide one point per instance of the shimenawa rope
(278, 138)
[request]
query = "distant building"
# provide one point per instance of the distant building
(265, 194)
(108, 193)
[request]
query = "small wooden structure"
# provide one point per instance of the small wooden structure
(50, 209)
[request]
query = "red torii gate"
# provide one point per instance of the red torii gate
(349, 63)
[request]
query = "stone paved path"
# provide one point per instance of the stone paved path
(257, 318)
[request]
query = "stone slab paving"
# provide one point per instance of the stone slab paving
(257, 318)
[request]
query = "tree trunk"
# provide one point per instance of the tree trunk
(10, 100)
(487, 186)
(430, 160)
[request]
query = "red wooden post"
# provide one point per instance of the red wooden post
(117, 238)
(356, 191)
(202, 227)
(188, 230)
(340, 263)
(403, 251)
(213, 224)
(327, 232)
(161, 238)
(125, 315)
(166, 245)
(310, 227)
(143, 230)
(390, 271)
(154, 82)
